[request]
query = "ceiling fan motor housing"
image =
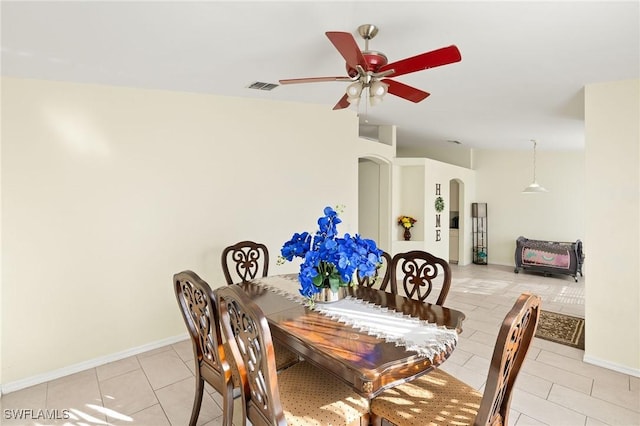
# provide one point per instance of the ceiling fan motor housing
(373, 62)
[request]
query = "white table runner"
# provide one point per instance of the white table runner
(427, 339)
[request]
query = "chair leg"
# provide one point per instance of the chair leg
(197, 401)
(365, 421)
(227, 406)
(375, 420)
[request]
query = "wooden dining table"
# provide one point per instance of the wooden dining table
(368, 362)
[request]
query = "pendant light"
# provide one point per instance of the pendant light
(534, 188)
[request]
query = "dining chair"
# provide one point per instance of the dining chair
(381, 277)
(299, 395)
(439, 398)
(420, 272)
(244, 261)
(199, 311)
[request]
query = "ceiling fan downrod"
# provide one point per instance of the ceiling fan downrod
(367, 32)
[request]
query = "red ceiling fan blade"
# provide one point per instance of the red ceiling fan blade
(435, 58)
(407, 92)
(342, 103)
(348, 48)
(313, 80)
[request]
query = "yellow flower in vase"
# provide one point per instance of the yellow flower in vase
(406, 221)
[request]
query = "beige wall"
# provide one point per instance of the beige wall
(414, 187)
(612, 197)
(556, 216)
(1, 239)
(107, 192)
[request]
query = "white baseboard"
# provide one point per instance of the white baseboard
(6, 388)
(611, 366)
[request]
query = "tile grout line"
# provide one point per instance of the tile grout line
(106, 416)
(155, 395)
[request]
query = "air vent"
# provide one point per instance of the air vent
(259, 85)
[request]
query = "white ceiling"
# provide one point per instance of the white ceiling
(524, 64)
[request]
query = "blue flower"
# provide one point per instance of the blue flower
(298, 246)
(330, 261)
(327, 224)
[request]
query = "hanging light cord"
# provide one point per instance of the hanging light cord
(534, 159)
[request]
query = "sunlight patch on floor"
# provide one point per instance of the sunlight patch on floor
(483, 286)
(550, 289)
(570, 295)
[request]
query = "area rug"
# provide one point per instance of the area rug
(561, 328)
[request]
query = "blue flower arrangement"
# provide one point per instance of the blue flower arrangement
(330, 261)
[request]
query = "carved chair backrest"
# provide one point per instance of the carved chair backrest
(248, 340)
(245, 261)
(199, 311)
(419, 272)
(512, 344)
(381, 278)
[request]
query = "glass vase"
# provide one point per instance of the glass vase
(326, 295)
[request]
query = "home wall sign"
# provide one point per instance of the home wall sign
(439, 205)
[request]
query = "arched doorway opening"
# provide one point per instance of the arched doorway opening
(374, 200)
(456, 222)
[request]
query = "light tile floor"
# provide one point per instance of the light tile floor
(554, 388)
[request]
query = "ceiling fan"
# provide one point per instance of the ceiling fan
(368, 69)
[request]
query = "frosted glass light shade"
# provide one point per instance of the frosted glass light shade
(354, 90)
(378, 88)
(534, 188)
(375, 100)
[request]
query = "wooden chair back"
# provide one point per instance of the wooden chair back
(244, 261)
(248, 340)
(381, 278)
(199, 310)
(419, 271)
(516, 332)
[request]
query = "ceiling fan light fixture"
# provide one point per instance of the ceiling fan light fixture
(375, 100)
(378, 88)
(354, 90)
